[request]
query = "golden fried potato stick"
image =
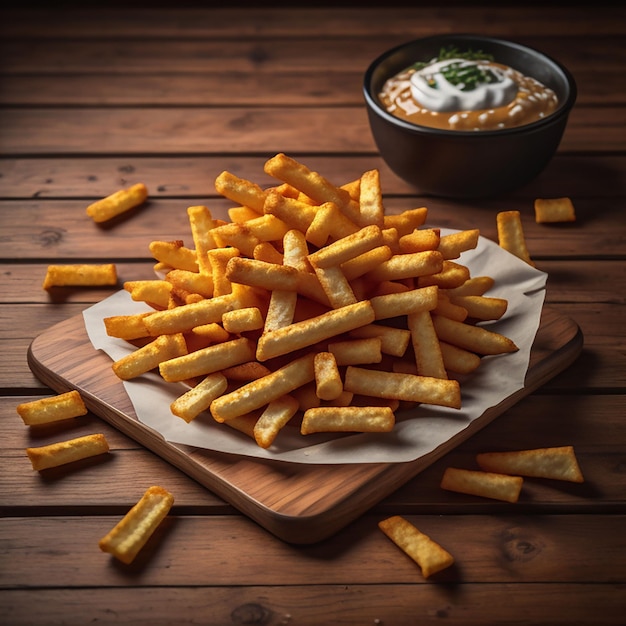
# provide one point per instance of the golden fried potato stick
(457, 360)
(277, 413)
(240, 190)
(174, 255)
(193, 282)
(473, 338)
(201, 223)
(557, 463)
(54, 409)
(551, 210)
(451, 275)
(313, 330)
(335, 419)
(127, 326)
(131, 533)
(262, 391)
(347, 247)
(371, 208)
(404, 302)
(451, 246)
(148, 357)
(475, 286)
(261, 274)
(420, 240)
(428, 554)
(483, 484)
(357, 351)
(393, 341)
(63, 452)
(117, 203)
(80, 275)
(242, 320)
(328, 383)
(155, 292)
(482, 307)
(428, 356)
(207, 360)
(408, 265)
(511, 235)
(199, 398)
(407, 221)
(398, 386)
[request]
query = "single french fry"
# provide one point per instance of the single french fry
(457, 359)
(472, 338)
(511, 235)
(483, 484)
(199, 398)
(240, 190)
(408, 387)
(409, 265)
(551, 210)
(237, 236)
(474, 286)
(446, 308)
(219, 258)
(188, 316)
(357, 351)
(366, 262)
(242, 214)
(347, 248)
(371, 208)
(328, 383)
(277, 413)
(482, 307)
(117, 203)
(557, 463)
(207, 360)
(451, 275)
(126, 326)
(407, 221)
(260, 274)
(321, 227)
(80, 275)
(266, 251)
(375, 419)
(404, 303)
(251, 370)
(242, 320)
(53, 409)
(148, 357)
(393, 341)
(63, 452)
(154, 292)
(174, 254)
(125, 540)
(336, 286)
(451, 246)
(310, 331)
(213, 332)
(194, 282)
(420, 240)
(428, 554)
(428, 357)
(262, 391)
(202, 223)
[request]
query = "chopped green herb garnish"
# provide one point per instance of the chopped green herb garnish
(452, 52)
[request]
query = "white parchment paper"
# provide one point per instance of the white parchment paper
(417, 432)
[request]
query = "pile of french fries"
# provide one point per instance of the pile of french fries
(311, 306)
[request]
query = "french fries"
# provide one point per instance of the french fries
(117, 203)
(428, 554)
(511, 235)
(558, 463)
(483, 484)
(311, 296)
(131, 533)
(80, 275)
(63, 452)
(54, 409)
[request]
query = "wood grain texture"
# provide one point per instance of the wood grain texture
(300, 504)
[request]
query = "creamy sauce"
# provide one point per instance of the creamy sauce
(501, 98)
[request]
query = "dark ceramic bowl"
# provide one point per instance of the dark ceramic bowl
(468, 164)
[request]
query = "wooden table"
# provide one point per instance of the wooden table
(95, 100)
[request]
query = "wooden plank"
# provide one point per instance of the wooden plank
(60, 229)
(287, 503)
(231, 130)
(273, 21)
(397, 604)
(207, 551)
(193, 177)
(593, 424)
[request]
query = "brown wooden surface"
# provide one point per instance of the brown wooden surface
(94, 99)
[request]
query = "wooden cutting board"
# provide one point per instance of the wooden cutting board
(298, 503)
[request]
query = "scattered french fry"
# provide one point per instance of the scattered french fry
(117, 203)
(54, 409)
(428, 554)
(80, 275)
(483, 484)
(511, 235)
(551, 210)
(63, 452)
(558, 463)
(131, 533)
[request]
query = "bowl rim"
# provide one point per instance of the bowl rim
(563, 109)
